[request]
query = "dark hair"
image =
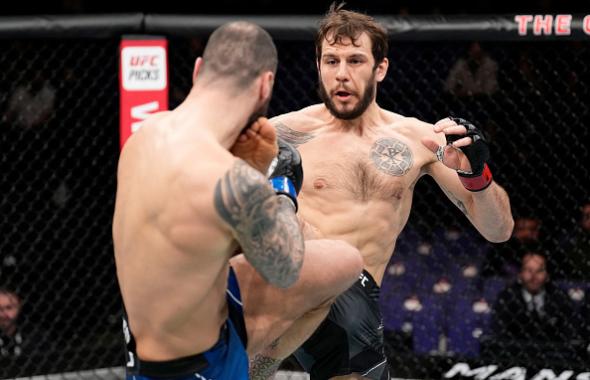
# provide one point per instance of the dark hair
(534, 250)
(9, 292)
(340, 24)
(239, 51)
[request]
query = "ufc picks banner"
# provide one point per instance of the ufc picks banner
(143, 81)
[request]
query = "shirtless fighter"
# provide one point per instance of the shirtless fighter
(185, 203)
(361, 164)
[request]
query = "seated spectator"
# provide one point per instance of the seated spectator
(10, 335)
(532, 317)
(503, 259)
(22, 344)
(476, 74)
(31, 104)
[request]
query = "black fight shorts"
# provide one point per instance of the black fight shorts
(350, 340)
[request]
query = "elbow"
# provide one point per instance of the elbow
(289, 278)
(508, 229)
(503, 233)
(287, 282)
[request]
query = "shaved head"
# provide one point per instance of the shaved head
(238, 51)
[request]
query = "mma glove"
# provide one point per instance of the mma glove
(286, 172)
(478, 153)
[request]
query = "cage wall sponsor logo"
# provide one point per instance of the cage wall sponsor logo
(142, 112)
(491, 372)
(547, 25)
(144, 68)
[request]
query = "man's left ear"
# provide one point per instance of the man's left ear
(381, 70)
(197, 68)
(266, 85)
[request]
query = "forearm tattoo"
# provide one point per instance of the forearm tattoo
(292, 136)
(456, 201)
(265, 225)
(263, 368)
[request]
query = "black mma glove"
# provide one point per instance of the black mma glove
(478, 153)
(286, 176)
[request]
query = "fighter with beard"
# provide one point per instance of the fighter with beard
(191, 190)
(361, 165)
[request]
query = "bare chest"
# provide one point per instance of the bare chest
(381, 169)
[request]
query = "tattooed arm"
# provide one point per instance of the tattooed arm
(488, 210)
(263, 366)
(292, 136)
(264, 224)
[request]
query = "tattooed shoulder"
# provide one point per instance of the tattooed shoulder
(238, 191)
(292, 136)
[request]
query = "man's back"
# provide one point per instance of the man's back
(171, 248)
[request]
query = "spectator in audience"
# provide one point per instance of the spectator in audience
(31, 104)
(532, 311)
(576, 263)
(11, 338)
(22, 344)
(503, 259)
(476, 74)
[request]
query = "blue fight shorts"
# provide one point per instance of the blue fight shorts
(226, 360)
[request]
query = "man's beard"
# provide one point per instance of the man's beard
(259, 112)
(358, 110)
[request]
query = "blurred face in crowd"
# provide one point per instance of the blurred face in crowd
(475, 51)
(533, 274)
(9, 309)
(348, 76)
(527, 229)
(586, 217)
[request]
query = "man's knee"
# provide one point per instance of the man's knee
(348, 264)
(351, 256)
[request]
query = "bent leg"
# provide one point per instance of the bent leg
(329, 268)
(348, 344)
(263, 365)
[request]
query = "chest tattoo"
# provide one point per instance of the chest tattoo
(391, 156)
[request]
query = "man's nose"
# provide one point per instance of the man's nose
(342, 75)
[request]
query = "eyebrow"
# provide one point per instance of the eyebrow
(355, 55)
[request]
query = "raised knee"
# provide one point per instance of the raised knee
(351, 258)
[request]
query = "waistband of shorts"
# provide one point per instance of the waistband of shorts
(181, 367)
(369, 285)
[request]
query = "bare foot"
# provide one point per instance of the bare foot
(257, 145)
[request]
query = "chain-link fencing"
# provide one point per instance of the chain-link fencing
(448, 296)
